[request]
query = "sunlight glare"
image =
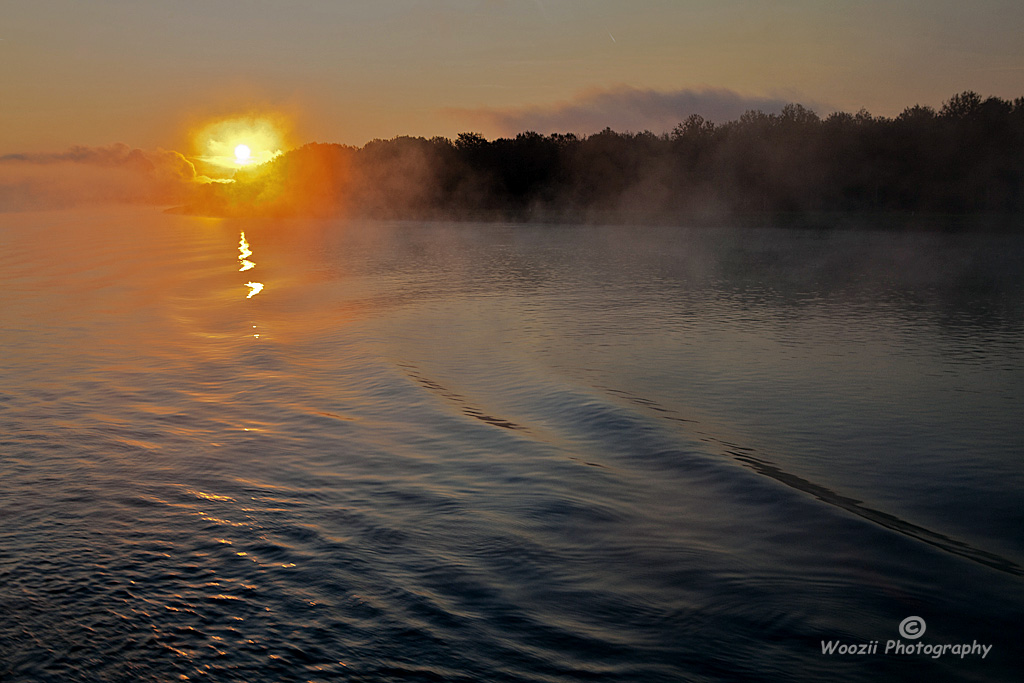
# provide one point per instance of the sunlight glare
(243, 247)
(228, 144)
(243, 154)
(244, 252)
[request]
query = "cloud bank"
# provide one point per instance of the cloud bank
(622, 108)
(81, 175)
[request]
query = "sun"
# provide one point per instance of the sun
(243, 154)
(223, 146)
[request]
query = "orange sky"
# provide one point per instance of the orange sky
(105, 71)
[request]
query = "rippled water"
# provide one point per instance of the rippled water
(437, 452)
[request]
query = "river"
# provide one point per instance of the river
(257, 450)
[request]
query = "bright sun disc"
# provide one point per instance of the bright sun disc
(226, 145)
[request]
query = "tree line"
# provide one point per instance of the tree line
(965, 159)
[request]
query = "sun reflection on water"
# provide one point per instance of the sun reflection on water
(244, 252)
(243, 247)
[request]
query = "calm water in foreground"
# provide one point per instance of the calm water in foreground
(440, 452)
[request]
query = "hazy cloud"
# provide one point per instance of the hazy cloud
(117, 173)
(622, 108)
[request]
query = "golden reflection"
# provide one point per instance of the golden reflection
(210, 496)
(244, 252)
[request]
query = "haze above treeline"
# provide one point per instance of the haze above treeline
(967, 158)
(962, 164)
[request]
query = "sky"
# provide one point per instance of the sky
(145, 74)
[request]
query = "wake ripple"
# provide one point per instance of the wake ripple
(466, 407)
(746, 457)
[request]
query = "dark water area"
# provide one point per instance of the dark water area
(243, 450)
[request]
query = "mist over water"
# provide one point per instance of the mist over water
(468, 452)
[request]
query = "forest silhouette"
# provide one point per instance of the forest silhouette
(962, 162)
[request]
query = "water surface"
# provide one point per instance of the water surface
(312, 451)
